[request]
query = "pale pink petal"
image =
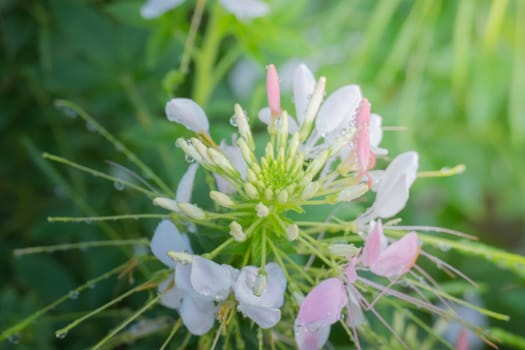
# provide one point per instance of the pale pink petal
(186, 112)
(362, 138)
(155, 8)
(170, 296)
(310, 339)
(323, 305)
(167, 238)
(246, 9)
(209, 279)
(234, 155)
(375, 243)
(185, 187)
(462, 342)
(404, 164)
(272, 90)
(338, 109)
(398, 258)
(265, 317)
(197, 315)
(355, 316)
(303, 88)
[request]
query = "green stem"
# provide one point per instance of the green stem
(80, 245)
(206, 57)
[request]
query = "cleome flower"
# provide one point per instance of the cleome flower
(324, 155)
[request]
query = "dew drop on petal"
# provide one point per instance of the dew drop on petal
(14, 339)
(189, 158)
(233, 121)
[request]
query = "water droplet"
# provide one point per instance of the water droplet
(91, 127)
(189, 158)
(189, 143)
(60, 334)
(14, 339)
(147, 175)
(309, 97)
(91, 285)
(68, 111)
(119, 147)
(88, 221)
(233, 121)
(444, 247)
(74, 294)
(119, 186)
(276, 123)
(519, 266)
(344, 132)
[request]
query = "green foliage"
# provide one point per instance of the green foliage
(452, 72)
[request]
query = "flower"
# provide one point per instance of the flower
(263, 309)
(242, 9)
(186, 112)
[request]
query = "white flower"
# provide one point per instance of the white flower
(264, 309)
(167, 238)
(242, 9)
(186, 112)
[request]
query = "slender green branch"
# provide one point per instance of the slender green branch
(79, 245)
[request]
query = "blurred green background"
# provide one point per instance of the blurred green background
(451, 72)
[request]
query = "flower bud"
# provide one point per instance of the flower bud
(250, 190)
(268, 194)
(236, 232)
(352, 192)
(192, 211)
(292, 232)
(283, 196)
(341, 249)
(310, 189)
(181, 257)
(166, 203)
(262, 210)
(222, 199)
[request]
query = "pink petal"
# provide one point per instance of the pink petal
(462, 342)
(273, 91)
(310, 339)
(351, 274)
(362, 137)
(323, 305)
(375, 243)
(398, 258)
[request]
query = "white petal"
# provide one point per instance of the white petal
(303, 88)
(355, 316)
(273, 294)
(210, 279)
(338, 109)
(167, 238)
(186, 112)
(234, 155)
(393, 190)
(171, 296)
(375, 130)
(246, 9)
(197, 315)
(265, 115)
(292, 125)
(263, 316)
(185, 187)
(155, 8)
(311, 339)
(183, 279)
(244, 76)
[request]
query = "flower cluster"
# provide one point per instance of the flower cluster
(323, 155)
